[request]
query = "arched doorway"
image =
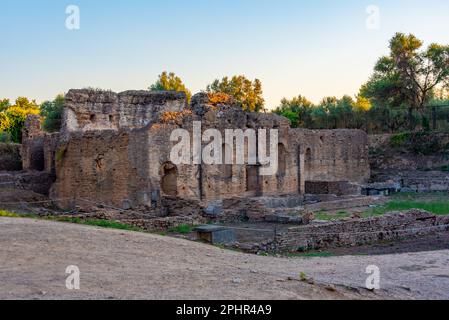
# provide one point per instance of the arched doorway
(169, 181)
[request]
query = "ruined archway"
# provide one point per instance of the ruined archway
(169, 180)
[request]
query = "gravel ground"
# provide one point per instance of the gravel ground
(116, 264)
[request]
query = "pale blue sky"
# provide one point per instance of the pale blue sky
(315, 48)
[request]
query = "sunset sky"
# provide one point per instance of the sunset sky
(314, 48)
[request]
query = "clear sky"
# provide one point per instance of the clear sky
(315, 48)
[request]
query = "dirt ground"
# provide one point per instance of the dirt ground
(34, 255)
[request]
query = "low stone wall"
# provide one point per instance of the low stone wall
(339, 188)
(358, 232)
(414, 181)
(38, 182)
(10, 159)
(164, 224)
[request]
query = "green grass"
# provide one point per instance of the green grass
(7, 214)
(89, 222)
(438, 208)
(325, 216)
(182, 229)
(436, 203)
(320, 254)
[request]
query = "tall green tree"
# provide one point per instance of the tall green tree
(4, 104)
(52, 113)
(247, 93)
(409, 75)
(298, 110)
(170, 82)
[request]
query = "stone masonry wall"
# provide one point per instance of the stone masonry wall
(87, 110)
(97, 166)
(115, 148)
(10, 159)
(360, 231)
(33, 144)
(333, 155)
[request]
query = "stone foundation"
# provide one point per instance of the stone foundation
(338, 188)
(390, 227)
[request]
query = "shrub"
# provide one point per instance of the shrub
(419, 143)
(398, 140)
(5, 137)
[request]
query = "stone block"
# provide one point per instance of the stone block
(215, 234)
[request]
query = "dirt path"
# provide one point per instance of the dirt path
(126, 265)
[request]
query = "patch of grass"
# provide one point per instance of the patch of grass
(110, 225)
(90, 222)
(436, 203)
(326, 216)
(445, 168)
(439, 208)
(7, 214)
(182, 229)
(318, 254)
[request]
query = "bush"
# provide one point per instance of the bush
(418, 143)
(52, 112)
(5, 137)
(399, 140)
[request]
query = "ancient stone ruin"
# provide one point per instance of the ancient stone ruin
(114, 149)
(111, 160)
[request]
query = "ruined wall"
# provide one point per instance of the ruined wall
(10, 159)
(409, 151)
(115, 148)
(358, 232)
(210, 182)
(88, 109)
(339, 188)
(332, 155)
(51, 142)
(102, 166)
(33, 144)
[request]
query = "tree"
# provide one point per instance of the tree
(13, 117)
(298, 110)
(4, 104)
(52, 113)
(247, 93)
(409, 76)
(170, 82)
